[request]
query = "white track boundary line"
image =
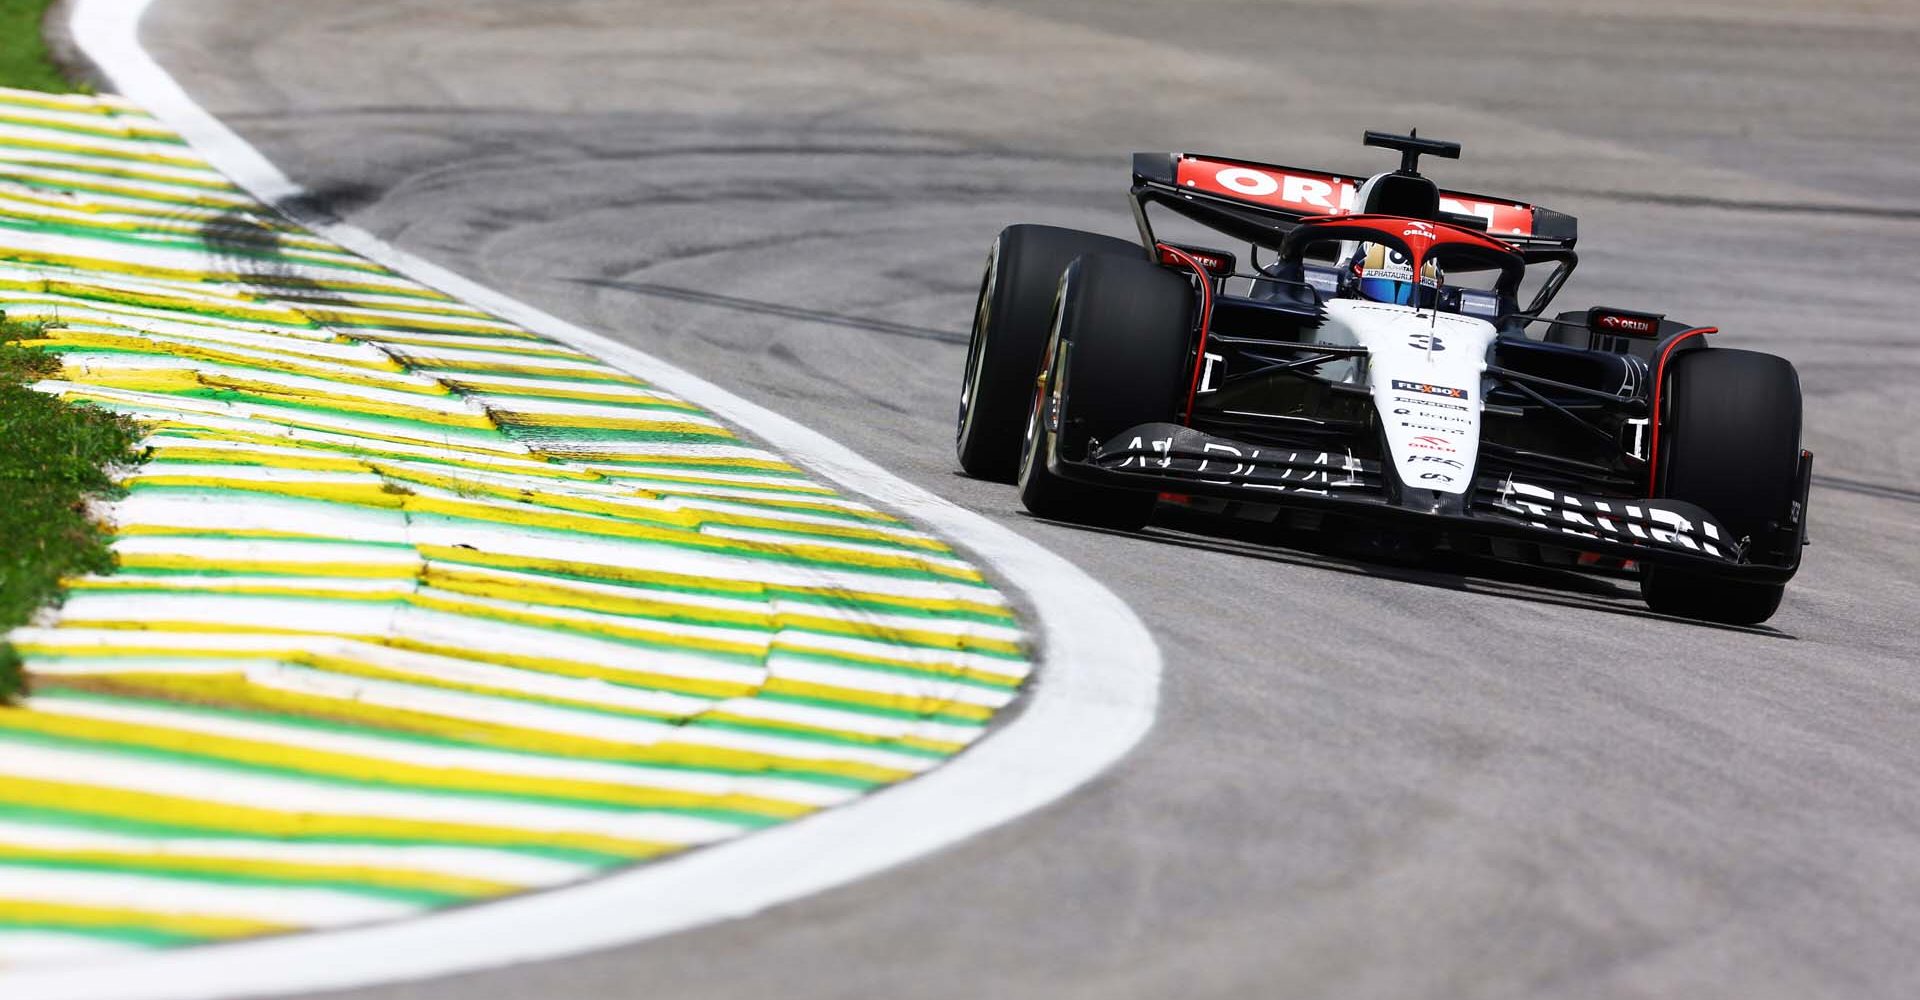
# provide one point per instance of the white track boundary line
(1094, 698)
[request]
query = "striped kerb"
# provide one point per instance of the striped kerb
(414, 608)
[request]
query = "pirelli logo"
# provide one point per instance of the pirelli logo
(1429, 389)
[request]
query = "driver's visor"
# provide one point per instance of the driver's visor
(1404, 293)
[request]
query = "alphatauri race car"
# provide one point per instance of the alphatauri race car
(1378, 372)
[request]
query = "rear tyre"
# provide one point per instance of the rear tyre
(1010, 325)
(1730, 442)
(1118, 359)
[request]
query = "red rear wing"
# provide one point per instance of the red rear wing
(1303, 193)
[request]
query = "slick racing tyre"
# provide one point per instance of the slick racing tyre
(1730, 442)
(1118, 359)
(1010, 324)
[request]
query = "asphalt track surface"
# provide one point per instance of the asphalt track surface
(1367, 780)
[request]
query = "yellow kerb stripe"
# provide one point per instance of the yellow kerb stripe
(380, 771)
(31, 912)
(903, 635)
(173, 863)
(149, 807)
(234, 692)
(923, 707)
(554, 592)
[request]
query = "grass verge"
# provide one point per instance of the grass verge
(54, 456)
(24, 60)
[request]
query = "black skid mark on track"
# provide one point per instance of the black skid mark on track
(778, 309)
(1895, 213)
(784, 354)
(1880, 491)
(332, 202)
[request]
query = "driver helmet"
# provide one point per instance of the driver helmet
(1386, 275)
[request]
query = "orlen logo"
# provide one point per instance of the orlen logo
(1291, 188)
(1626, 324)
(1632, 324)
(1304, 192)
(1431, 442)
(1253, 182)
(1418, 230)
(1217, 264)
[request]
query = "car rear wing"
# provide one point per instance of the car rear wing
(1261, 202)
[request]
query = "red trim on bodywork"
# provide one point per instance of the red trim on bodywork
(1419, 235)
(1217, 264)
(1659, 380)
(1206, 317)
(1438, 232)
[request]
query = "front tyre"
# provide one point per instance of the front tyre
(1117, 358)
(1730, 443)
(1010, 327)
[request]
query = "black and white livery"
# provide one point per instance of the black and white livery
(1385, 361)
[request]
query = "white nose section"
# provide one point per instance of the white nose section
(1425, 371)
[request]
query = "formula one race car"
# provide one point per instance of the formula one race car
(1380, 373)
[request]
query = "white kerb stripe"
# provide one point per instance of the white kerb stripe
(27, 947)
(568, 722)
(461, 862)
(439, 756)
(273, 904)
(239, 788)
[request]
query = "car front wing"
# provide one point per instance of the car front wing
(1171, 458)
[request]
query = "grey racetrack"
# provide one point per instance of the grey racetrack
(1366, 780)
